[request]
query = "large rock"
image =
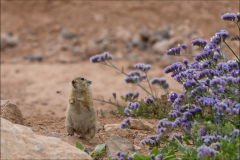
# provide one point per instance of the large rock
(11, 112)
(121, 143)
(20, 142)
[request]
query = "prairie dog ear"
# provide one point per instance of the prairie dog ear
(90, 82)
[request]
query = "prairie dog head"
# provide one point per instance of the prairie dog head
(81, 83)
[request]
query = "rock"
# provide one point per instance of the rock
(67, 34)
(162, 46)
(35, 57)
(161, 35)
(135, 124)
(55, 134)
(8, 40)
(20, 142)
(145, 34)
(136, 148)
(123, 144)
(11, 112)
(109, 127)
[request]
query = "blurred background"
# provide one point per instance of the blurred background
(45, 44)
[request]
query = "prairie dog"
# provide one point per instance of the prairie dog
(81, 115)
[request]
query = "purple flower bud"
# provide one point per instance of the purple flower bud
(229, 16)
(235, 38)
(125, 123)
(159, 157)
(172, 97)
(199, 42)
(238, 16)
(162, 82)
(184, 46)
(127, 111)
(185, 61)
(202, 131)
(150, 99)
(101, 57)
(114, 95)
(135, 95)
(174, 51)
(143, 67)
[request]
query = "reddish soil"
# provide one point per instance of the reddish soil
(34, 86)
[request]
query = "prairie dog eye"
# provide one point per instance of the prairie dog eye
(82, 79)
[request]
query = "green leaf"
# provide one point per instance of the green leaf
(170, 153)
(169, 157)
(144, 157)
(98, 149)
(79, 146)
(181, 148)
(164, 150)
(154, 151)
(136, 157)
(120, 108)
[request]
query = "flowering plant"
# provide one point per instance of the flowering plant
(206, 113)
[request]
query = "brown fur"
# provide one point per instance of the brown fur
(81, 114)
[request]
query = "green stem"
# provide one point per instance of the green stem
(149, 85)
(231, 50)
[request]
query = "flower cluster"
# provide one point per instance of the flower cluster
(125, 123)
(143, 67)
(162, 82)
(101, 57)
(149, 99)
(135, 77)
(199, 42)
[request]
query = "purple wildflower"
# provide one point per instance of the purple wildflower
(238, 16)
(185, 61)
(218, 81)
(125, 123)
(151, 140)
(149, 99)
(235, 38)
(216, 39)
(205, 55)
(184, 46)
(236, 108)
(199, 42)
(133, 105)
(174, 51)
(223, 34)
(207, 101)
(209, 139)
(178, 67)
(189, 84)
(215, 145)
(174, 113)
(114, 95)
(177, 135)
(159, 157)
(152, 156)
(162, 82)
(207, 73)
(187, 125)
(204, 64)
(229, 16)
(128, 95)
(135, 95)
(205, 151)
(135, 77)
(143, 67)
(202, 131)
(172, 97)
(127, 111)
(130, 158)
(176, 122)
(101, 57)
(235, 132)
